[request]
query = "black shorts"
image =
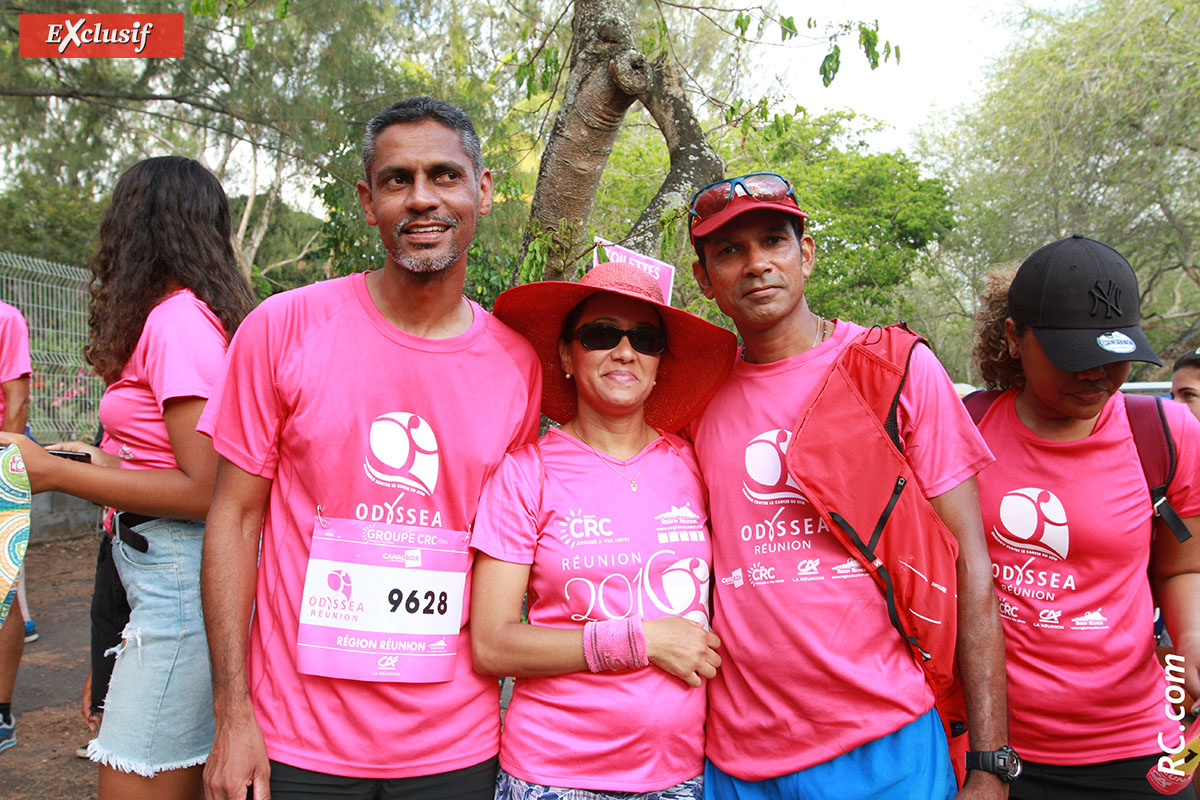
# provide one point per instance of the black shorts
(110, 615)
(1123, 779)
(470, 783)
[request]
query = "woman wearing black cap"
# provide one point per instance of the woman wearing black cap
(1078, 559)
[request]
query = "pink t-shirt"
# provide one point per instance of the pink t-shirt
(14, 348)
(1069, 530)
(812, 668)
(180, 354)
(601, 551)
(309, 373)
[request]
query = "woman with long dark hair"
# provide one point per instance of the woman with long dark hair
(167, 295)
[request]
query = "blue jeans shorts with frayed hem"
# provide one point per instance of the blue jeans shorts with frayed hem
(158, 711)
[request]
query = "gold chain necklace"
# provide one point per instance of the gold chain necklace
(633, 486)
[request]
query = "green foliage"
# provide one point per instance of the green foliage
(300, 80)
(831, 64)
(43, 219)
(276, 266)
(787, 28)
(742, 23)
(1091, 125)
(873, 216)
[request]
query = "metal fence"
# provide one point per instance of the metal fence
(65, 396)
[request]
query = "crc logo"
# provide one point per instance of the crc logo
(403, 453)
(1033, 521)
(388, 662)
(1007, 609)
(760, 574)
(767, 479)
(580, 529)
(339, 581)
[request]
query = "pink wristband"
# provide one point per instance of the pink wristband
(615, 644)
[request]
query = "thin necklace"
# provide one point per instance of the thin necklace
(820, 336)
(817, 339)
(633, 487)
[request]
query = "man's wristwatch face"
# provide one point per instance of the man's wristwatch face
(1003, 762)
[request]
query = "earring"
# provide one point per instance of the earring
(567, 375)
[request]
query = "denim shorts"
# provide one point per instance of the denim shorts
(158, 712)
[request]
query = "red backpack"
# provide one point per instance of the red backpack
(847, 457)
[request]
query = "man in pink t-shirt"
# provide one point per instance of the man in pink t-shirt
(818, 696)
(356, 423)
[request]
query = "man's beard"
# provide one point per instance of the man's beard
(424, 264)
(415, 262)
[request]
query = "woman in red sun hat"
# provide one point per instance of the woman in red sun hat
(602, 523)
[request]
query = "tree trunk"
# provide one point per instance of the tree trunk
(693, 161)
(607, 75)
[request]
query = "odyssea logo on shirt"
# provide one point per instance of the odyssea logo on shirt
(100, 36)
(767, 480)
(1033, 521)
(403, 453)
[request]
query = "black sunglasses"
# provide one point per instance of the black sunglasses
(602, 336)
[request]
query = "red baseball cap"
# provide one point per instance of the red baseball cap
(758, 190)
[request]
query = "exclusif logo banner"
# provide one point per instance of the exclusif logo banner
(100, 36)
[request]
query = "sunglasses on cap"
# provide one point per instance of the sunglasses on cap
(602, 336)
(766, 187)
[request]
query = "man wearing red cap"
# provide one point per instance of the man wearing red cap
(818, 695)
(353, 433)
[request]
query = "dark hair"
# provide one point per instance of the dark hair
(571, 321)
(797, 224)
(421, 109)
(1189, 359)
(998, 368)
(168, 219)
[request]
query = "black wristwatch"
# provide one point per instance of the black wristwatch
(1003, 762)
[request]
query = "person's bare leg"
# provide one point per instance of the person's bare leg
(12, 645)
(175, 784)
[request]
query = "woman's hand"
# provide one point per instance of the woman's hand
(683, 648)
(40, 466)
(99, 457)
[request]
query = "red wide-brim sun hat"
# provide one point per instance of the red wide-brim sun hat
(697, 360)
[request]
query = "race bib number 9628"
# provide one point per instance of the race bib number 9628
(382, 602)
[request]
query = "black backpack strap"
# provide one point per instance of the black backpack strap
(892, 423)
(1156, 451)
(979, 402)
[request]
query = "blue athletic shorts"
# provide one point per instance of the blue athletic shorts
(910, 764)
